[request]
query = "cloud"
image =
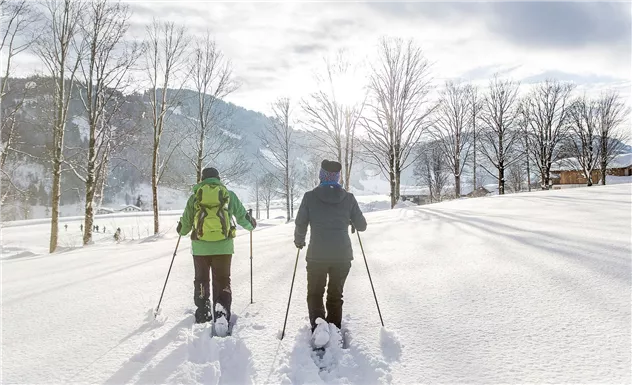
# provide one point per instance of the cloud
(487, 71)
(569, 77)
(308, 48)
(531, 23)
(563, 25)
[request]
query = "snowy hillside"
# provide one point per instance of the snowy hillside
(514, 289)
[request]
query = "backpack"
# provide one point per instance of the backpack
(211, 221)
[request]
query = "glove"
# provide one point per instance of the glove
(352, 228)
(299, 245)
(252, 220)
(179, 228)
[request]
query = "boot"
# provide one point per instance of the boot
(202, 302)
(203, 314)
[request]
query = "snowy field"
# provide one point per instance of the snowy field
(514, 289)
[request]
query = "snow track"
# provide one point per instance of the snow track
(352, 363)
(186, 353)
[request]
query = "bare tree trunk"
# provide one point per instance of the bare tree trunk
(393, 184)
(528, 174)
(258, 216)
(90, 192)
(288, 197)
(200, 156)
(154, 188)
(55, 197)
(501, 179)
(398, 175)
(474, 143)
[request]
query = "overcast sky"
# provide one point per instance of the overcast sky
(275, 47)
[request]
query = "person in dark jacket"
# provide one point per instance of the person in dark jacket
(328, 210)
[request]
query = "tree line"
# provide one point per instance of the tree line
(393, 122)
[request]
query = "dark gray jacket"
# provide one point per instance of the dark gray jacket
(328, 210)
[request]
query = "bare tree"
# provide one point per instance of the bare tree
(430, 169)
(334, 121)
(500, 135)
(103, 77)
(54, 47)
(516, 176)
(523, 125)
(268, 186)
(584, 138)
(451, 129)
(475, 108)
(547, 109)
(213, 80)
(256, 196)
(277, 139)
(16, 18)
(398, 107)
(165, 54)
(611, 113)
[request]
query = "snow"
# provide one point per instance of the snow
(231, 134)
(82, 125)
(522, 288)
(176, 110)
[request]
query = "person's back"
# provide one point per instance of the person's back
(328, 210)
(208, 216)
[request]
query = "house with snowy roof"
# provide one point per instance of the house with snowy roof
(129, 208)
(416, 194)
(569, 171)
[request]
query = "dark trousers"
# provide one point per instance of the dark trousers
(219, 265)
(317, 274)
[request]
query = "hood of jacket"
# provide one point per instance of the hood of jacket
(330, 193)
(207, 181)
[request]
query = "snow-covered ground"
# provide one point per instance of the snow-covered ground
(519, 288)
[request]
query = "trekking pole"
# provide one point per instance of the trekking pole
(251, 301)
(370, 280)
(290, 298)
(168, 272)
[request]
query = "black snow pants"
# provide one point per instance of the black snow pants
(317, 274)
(219, 265)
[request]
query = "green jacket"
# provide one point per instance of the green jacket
(235, 208)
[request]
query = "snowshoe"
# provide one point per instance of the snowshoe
(221, 325)
(320, 336)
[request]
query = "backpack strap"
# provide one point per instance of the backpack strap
(201, 215)
(223, 200)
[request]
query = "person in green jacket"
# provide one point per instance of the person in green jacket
(208, 216)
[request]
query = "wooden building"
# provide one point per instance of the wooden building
(569, 172)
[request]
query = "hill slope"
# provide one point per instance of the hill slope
(520, 288)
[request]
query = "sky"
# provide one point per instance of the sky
(276, 47)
